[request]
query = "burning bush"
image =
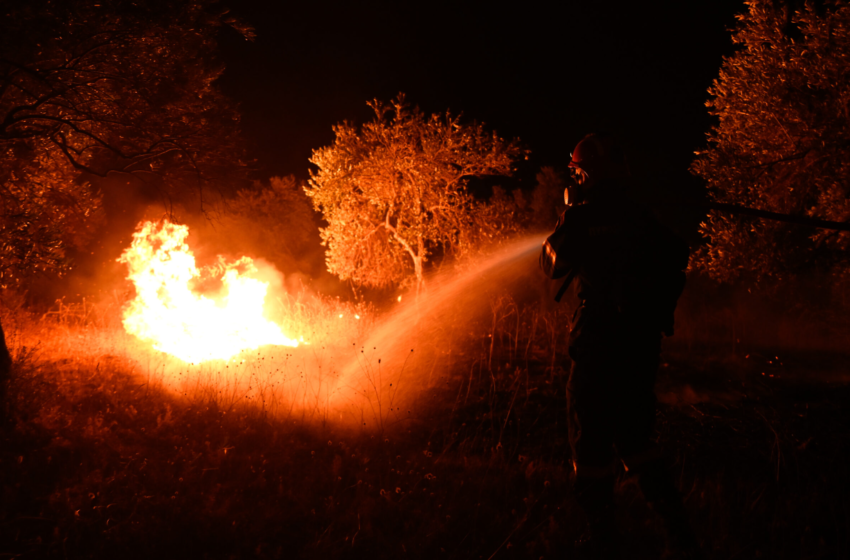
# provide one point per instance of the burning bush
(180, 321)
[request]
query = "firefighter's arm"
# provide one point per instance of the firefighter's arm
(549, 261)
(560, 251)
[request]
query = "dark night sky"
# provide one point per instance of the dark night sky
(547, 73)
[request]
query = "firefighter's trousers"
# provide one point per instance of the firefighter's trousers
(611, 404)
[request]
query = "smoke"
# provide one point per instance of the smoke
(369, 370)
(801, 315)
(355, 367)
(272, 221)
(410, 349)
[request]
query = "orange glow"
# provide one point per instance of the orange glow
(183, 323)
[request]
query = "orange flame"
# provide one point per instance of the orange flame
(185, 324)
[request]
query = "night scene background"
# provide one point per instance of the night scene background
(232, 334)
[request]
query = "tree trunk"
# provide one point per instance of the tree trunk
(417, 265)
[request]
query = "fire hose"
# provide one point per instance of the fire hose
(572, 192)
(775, 216)
(737, 209)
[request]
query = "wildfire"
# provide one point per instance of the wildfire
(186, 324)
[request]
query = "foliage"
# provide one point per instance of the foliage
(92, 87)
(274, 221)
(547, 199)
(493, 222)
(781, 143)
(394, 191)
(44, 210)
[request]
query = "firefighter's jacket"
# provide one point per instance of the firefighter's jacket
(627, 264)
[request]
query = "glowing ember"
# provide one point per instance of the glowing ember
(188, 325)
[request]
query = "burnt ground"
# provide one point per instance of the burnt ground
(94, 464)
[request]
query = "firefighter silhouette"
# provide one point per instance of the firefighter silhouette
(630, 273)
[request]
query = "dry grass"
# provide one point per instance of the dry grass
(107, 456)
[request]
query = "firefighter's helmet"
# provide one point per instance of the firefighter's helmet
(598, 154)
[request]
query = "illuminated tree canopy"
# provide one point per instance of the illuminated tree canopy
(782, 143)
(93, 87)
(394, 192)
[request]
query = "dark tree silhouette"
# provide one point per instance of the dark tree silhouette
(94, 87)
(781, 144)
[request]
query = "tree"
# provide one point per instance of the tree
(94, 87)
(490, 223)
(271, 220)
(547, 199)
(394, 192)
(782, 143)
